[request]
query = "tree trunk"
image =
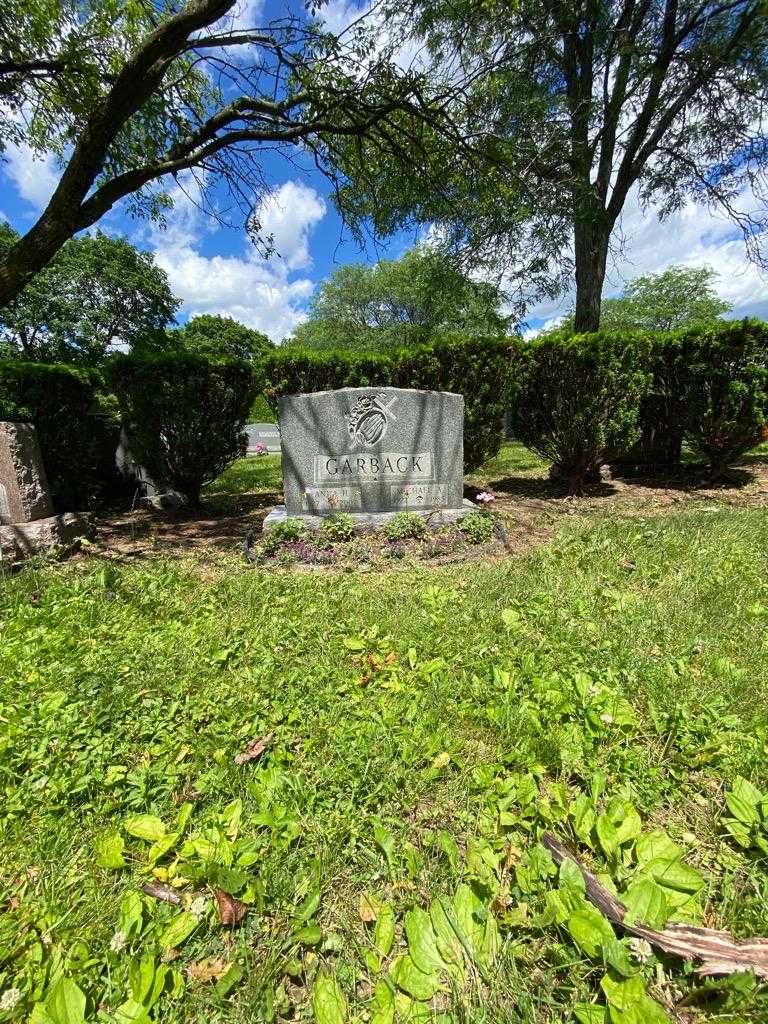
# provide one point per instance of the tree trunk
(591, 252)
(30, 254)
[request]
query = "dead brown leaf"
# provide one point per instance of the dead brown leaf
(231, 911)
(207, 970)
(719, 952)
(254, 750)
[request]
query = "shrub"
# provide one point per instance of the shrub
(290, 531)
(477, 527)
(575, 399)
(725, 388)
(476, 368)
(405, 525)
(338, 527)
(77, 427)
(184, 414)
(661, 418)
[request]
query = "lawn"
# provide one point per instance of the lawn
(424, 728)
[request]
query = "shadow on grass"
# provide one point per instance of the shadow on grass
(540, 488)
(687, 477)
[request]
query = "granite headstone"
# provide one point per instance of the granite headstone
(267, 434)
(372, 452)
(24, 496)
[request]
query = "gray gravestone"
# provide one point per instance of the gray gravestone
(267, 434)
(25, 496)
(372, 452)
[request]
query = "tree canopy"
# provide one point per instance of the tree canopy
(129, 95)
(363, 306)
(221, 337)
(676, 298)
(576, 105)
(98, 291)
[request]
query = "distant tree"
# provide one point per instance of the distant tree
(678, 297)
(97, 293)
(362, 306)
(221, 337)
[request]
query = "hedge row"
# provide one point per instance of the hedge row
(476, 368)
(77, 425)
(584, 400)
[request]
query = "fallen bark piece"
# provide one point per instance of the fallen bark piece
(163, 892)
(254, 749)
(719, 952)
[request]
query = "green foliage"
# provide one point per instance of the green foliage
(290, 530)
(424, 730)
(261, 411)
(338, 527)
(725, 389)
(747, 818)
(77, 427)
(574, 399)
(405, 525)
(221, 337)
(676, 298)
(476, 368)
(96, 291)
(363, 307)
(184, 415)
(477, 527)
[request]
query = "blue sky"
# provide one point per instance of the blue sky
(214, 269)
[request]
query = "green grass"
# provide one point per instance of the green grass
(427, 728)
(248, 475)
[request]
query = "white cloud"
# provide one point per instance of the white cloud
(692, 237)
(261, 293)
(34, 178)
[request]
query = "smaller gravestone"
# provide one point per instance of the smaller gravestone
(25, 496)
(28, 525)
(267, 434)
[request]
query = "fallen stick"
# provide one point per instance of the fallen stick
(163, 892)
(719, 952)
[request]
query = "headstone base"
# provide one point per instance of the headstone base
(23, 540)
(373, 520)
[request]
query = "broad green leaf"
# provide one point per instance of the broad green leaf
(383, 1008)
(450, 849)
(309, 936)
(418, 984)
(384, 931)
(646, 903)
(589, 930)
(571, 877)
(630, 825)
(109, 851)
(656, 846)
(162, 846)
(588, 1013)
(448, 943)
(607, 835)
(744, 811)
(145, 826)
(386, 841)
(146, 980)
(510, 617)
(672, 874)
(179, 930)
(328, 1000)
(422, 944)
(131, 915)
(65, 1003)
(616, 956)
(741, 833)
(623, 993)
(744, 790)
(131, 1012)
(584, 818)
(227, 982)
(469, 913)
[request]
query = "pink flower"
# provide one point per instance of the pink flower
(485, 497)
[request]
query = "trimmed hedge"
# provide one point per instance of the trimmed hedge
(476, 368)
(77, 427)
(184, 414)
(574, 399)
(725, 389)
